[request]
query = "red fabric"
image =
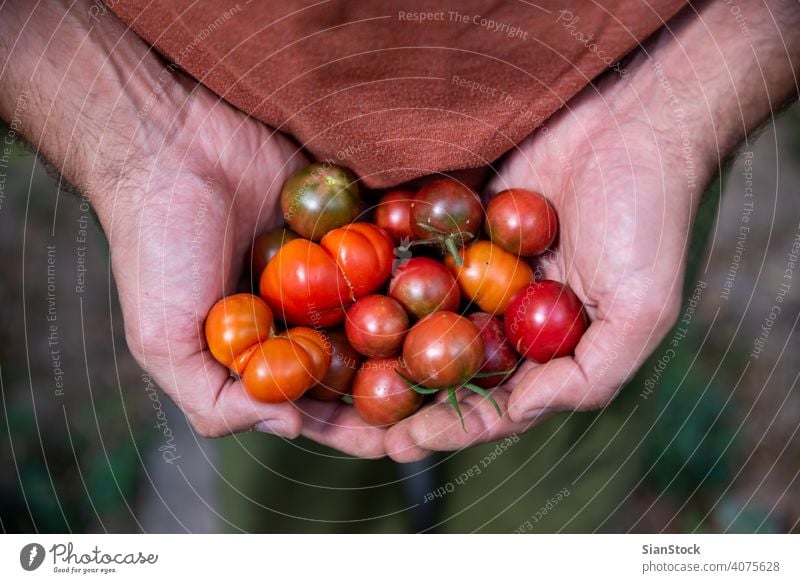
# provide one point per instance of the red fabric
(394, 97)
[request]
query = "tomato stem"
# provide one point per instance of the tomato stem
(451, 247)
(486, 394)
(451, 397)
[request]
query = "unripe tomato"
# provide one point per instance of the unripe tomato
(280, 369)
(235, 326)
(490, 276)
(364, 253)
(266, 246)
(376, 326)
(498, 354)
(521, 222)
(545, 320)
(345, 362)
(319, 198)
(423, 286)
(443, 350)
(446, 207)
(304, 286)
(393, 215)
(380, 395)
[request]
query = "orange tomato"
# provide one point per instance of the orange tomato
(280, 370)
(490, 276)
(234, 328)
(364, 253)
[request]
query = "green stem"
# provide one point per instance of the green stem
(452, 248)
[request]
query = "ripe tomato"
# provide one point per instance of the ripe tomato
(380, 395)
(318, 347)
(490, 276)
(545, 320)
(364, 253)
(266, 246)
(345, 362)
(423, 286)
(443, 350)
(393, 215)
(235, 326)
(376, 326)
(304, 286)
(445, 207)
(498, 354)
(319, 198)
(521, 222)
(280, 369)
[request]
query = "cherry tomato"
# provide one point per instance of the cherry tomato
(443, 350)
(376, 326)
(445, 207)
(521, 222)
(364, 253)
(498, 354)
(393, 215)
(266, 246)
(304, 286)
(380, 395)
(423, 286)
(490, 276)
(345, 362)
(319, 198)
(235, 326)
(545, 320)
(280, 369)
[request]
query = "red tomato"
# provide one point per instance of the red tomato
(316, 345)
(445, 207)
(423, 286)
(521, 222)
(443, 350)
(393, 215)
(376, 326)
(266, 246)
(235, 326)
(498, 354)
(364, 253)
(380, 395)
(345, 362)
(545, 320)
(281, 369)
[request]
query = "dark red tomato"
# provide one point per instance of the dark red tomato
(545, 320)
(345, 362)
(443, 350)
(376, 326)
(364, 254)
(521, 222)
(380, 395)
(266, 246)
(319, 198)
(393, 215)
(498, 354)
(445, 207)
(235, 326)
(423, 286)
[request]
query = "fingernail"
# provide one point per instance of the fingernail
(273, 426)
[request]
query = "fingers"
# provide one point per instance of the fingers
(437, 426)
(339, 426)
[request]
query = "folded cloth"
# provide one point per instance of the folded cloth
(397, 90)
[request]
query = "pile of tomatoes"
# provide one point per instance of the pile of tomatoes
(434, 292)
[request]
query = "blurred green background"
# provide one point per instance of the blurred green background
(704, 439)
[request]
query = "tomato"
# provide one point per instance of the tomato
(319, 198)
(345, 362)
(380, 395)
(235, 326)
(266, 246)
(521, 222)
(393, 215)
(304, 286)
(280, 369)
(443, 350)
(498, 354)
(364, 253)
(423, 286)
(545, 320)
(490, 276)
(446, 208)
(376, 326)
(316, 345)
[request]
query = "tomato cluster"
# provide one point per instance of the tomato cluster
(340, 317)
